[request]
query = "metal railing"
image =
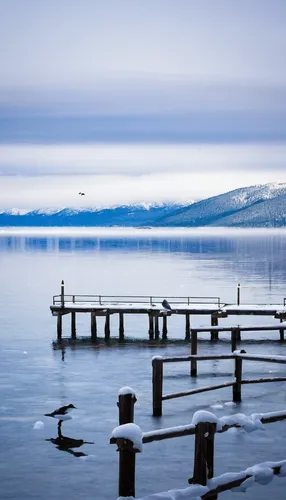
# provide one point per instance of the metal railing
(134, 299)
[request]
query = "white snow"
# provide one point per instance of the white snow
(127, 390)
(131, 432)
(38, 425)
(204, 416)
(230, 403)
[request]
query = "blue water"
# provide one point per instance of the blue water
(36, 379)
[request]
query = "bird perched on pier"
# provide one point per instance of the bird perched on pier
(81, 194)
(166, 305)
(61, 413)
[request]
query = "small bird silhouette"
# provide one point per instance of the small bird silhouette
(166, 304)
(61, 413)
(81, 194)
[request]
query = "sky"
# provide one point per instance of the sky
(161, 100)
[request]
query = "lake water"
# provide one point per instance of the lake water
(36, 379)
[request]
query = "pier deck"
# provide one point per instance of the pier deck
(151, 306)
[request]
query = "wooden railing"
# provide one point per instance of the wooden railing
(236, 383)
(204, 427)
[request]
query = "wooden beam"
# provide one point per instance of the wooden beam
(197, 391)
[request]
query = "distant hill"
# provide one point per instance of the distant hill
(128, 215)
(254, 206)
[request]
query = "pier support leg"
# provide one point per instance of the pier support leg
(121, 326)
(214, 333)
(157, 383)
(107, 327)
(281, 332)
(165, 330)
(73, 326)
(194, 350)
(157, 331)
(151, 327)
(93, 327)
(59, 326)
(187, 335)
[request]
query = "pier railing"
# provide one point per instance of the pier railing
(204, 426)
(236, 383)
(102, 300)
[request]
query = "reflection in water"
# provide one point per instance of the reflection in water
(67, 444)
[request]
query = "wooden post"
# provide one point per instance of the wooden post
(214, 333)
(107, 326)
(62, 293)
(59, 326)
(93, 326)
(157, 383)
(187, 335)
(281, 331)
(125, 405)
(194, 350)
(204, 454)
(165, 330)
(233, 339)
(157, 331)
(73, 326)
(121, 326)
(127, 454)
(236, 388)
(238, 295)
(151, 326)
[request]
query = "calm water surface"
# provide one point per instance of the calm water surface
(35, 379)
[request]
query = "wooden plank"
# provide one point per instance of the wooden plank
(250, 357)
(261, 380)
(197, 391)
(178, 359)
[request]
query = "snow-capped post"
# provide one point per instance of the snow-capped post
(157, 383)
(204, 454)
(236, 388)
(62, 293)
(238, 294)
(128, 438)
(194, 350)
(126, 402)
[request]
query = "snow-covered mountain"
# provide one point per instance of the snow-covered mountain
(262, 206)
(128, 215)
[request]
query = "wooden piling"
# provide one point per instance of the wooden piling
(127, 454)
(157, 331)
(233, 339)
(125, 405)
(281, 332)
(164, 330)
(151, 326)
(93, 326)
(194, 350)
(236, 388)
(204, 454)
(157, 385)
(214, 333)
(187, 335)
(59, 326)
(73, 326)
(121, 326)
(238, 294)
(107, 326)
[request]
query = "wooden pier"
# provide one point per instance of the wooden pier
(151, 307)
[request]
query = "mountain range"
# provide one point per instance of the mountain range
(254, 206)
